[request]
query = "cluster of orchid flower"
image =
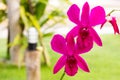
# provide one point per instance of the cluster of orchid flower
(79, 40)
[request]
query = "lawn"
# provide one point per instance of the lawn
(103, 63)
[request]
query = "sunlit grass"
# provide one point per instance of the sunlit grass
(3, 48)
(103, 63)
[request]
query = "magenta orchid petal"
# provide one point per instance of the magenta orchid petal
(85, 15)
(73, 13)
(84, 46)
(114, 24)
(70, 39)
(82, 64)
(71, 71)
(103, 24)
(73, 33)
(58, 44)
(97, 16)
(61, 62)
(96, 37)
(71, 67)
(70, 46)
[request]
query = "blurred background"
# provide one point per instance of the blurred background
(49, 17)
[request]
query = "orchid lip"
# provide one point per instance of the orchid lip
(84, 32)
(71, 61)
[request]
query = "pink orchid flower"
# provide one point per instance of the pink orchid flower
(70, 58)
(83, 32)
(113, 22)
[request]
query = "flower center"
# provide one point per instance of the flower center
(71, 61)
(84, 32)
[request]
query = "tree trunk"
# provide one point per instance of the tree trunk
(32, 60)
(13, 28)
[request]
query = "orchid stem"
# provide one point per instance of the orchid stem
(62, 76)
(112, 12)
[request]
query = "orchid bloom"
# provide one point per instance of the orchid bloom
(113, 22)
(83, 32)
(70, 58)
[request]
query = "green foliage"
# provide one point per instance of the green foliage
(56, 13)
(39, 10)
(25, 4)
(19, 40)
(2, 15)
(38, 7)
(24, 17)
(34, 21)
(37, 17)
(48, 34)
(2, 11)
(44, 1)
(16, 41)
(4, 1)
(33, 13)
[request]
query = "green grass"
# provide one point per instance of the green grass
(103, 63)
(3, 47)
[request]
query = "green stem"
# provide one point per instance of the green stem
(62, 75)
(112, 12)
